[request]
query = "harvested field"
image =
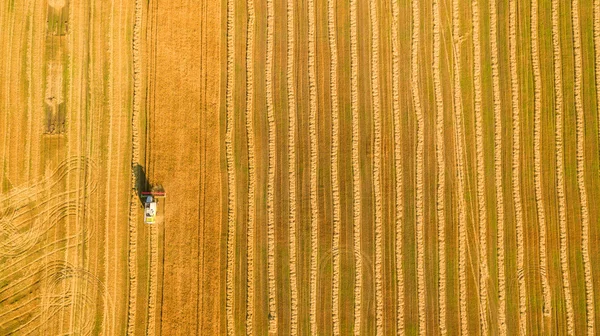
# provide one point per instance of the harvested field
(331, 167)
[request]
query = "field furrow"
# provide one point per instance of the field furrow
(585, 220)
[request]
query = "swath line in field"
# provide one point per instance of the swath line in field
(560, 169)
(516, 156)
(331, 24)
(375, 96)
(132, 260)
(585, 220)
(440, 169)
(251, 165)
(291, 82)
(398, 171)
(481, 201)
(460, 157)
(537, 146)
(314, 206)
(498, 168)
(415, 45)
(271, 170)
(231, 200)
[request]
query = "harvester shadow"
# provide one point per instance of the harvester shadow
(141, 182)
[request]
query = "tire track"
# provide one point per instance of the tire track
(440, 167)
(516, 156)
(251, 165)
(560, 169)
(398, 170)
(415, 45)
(585, 220)
(537, 138)
(479, 148)
(314, 206)
(335, 141)
(231, 197)
(460, 157)
(376, 98)
(132, 256)
(498, 168)
(292, 110)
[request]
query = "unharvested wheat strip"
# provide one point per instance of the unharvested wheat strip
(314, 206)
(335, 141)
(399, 211)
(356, 180)
(585, 219)
(251, 165)
(440, 161)
(560, 168)
(597, 58)
(481, 201)
(460, 157)
(516, 176)
(291, 82)
(377, 166)
(498, 168)
(537, 135)
(231, 200)
(137, 82)
(271, 171)
(415, 45)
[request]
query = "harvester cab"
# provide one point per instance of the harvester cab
(150, 205)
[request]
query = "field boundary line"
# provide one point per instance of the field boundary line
(251, 165)
(441, 171)
(271, 171)
(560, 169)
(498, 168)
(580, 130)
(415, 45)
(398, 170)
(479, 148)
(132, 261)
(291, 81)
(229, 138)
(539, 199)
(335, 141)
(516, 173)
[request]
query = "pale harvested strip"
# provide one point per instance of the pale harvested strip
(251, 165)
(498, 167)
(153, 286)
(331, 24)
(516, 176)
(441, 176)
(137, 83)
(460, 171)
(356, 181)
(398, 171)
(537, 135)
(291, 82)
(376, 100)
(231, 201)
(415, 46)
(560, 168)
(314, 205)
(585, 220)
(481, 201)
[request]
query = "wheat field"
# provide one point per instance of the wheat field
(359, 167)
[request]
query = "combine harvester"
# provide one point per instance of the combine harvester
(151, 204)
